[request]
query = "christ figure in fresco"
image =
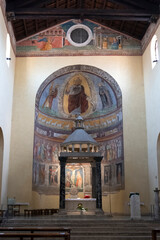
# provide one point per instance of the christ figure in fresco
(77, 100)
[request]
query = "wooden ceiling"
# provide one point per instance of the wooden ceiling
(131, 17)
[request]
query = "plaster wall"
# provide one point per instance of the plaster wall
(30, 73)
(6, 96)
(152, 99)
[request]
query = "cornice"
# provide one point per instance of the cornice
(149, 34)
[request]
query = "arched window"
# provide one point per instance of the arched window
(8, 50)
(154, 51)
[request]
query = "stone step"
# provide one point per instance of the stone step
(74, 225)
(89, 228)
(97, 237)
(79, 233)
(83, 221)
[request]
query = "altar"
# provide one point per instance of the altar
(89, 204)
(80, 147)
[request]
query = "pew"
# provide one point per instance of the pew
(34, 229)
(2, 213)
(36, 212)
(21, 235)
(33, 232)
(154, 233)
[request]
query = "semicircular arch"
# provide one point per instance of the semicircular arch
(66, 93)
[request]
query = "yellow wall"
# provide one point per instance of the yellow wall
(6, 94)
(30, 73)
(152, 99)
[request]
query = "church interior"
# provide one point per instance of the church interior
(95, 62)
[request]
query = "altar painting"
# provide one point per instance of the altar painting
(74, 177)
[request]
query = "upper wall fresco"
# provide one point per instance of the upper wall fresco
(74, 38)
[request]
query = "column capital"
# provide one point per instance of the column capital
(98, 159)
(62, 160)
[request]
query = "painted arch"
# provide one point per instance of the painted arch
(73, 90)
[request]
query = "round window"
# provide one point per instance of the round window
(79, 35)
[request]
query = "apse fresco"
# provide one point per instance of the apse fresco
(69, 92)
(76, 93)
(78, 38)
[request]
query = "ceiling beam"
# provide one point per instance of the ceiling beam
(93, 4)
(57, 4)
(122, 18)
(104, 3)
(122, 3)
(136, 3)
(90, 12)
(25, 27)
(143, 4)
(68, 17)
(80, 3)
(38, 3)
(28, 3)
(19, 3)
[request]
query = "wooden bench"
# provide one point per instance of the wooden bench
(36, 212)
(2, 213)
(154, 233)
(34, 229)
(21, 235)
(22, 232)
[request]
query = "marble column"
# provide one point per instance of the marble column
(93, 166)
(98, 183)
(62, 182)
(156, 204)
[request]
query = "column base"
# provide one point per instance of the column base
(99, 211)
(62, 212)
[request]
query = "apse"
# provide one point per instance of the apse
(67, 93)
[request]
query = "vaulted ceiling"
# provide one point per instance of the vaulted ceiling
(131, 17)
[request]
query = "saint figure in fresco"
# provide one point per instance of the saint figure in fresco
(119, 173)
(41, 174)
(104, 95)
(52, 94)
(79, 180)
(77, 100)
(53, 175)
(44, 44)
(68, 179)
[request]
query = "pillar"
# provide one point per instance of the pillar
(98, 183)
(93, 166)
(62, 182)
